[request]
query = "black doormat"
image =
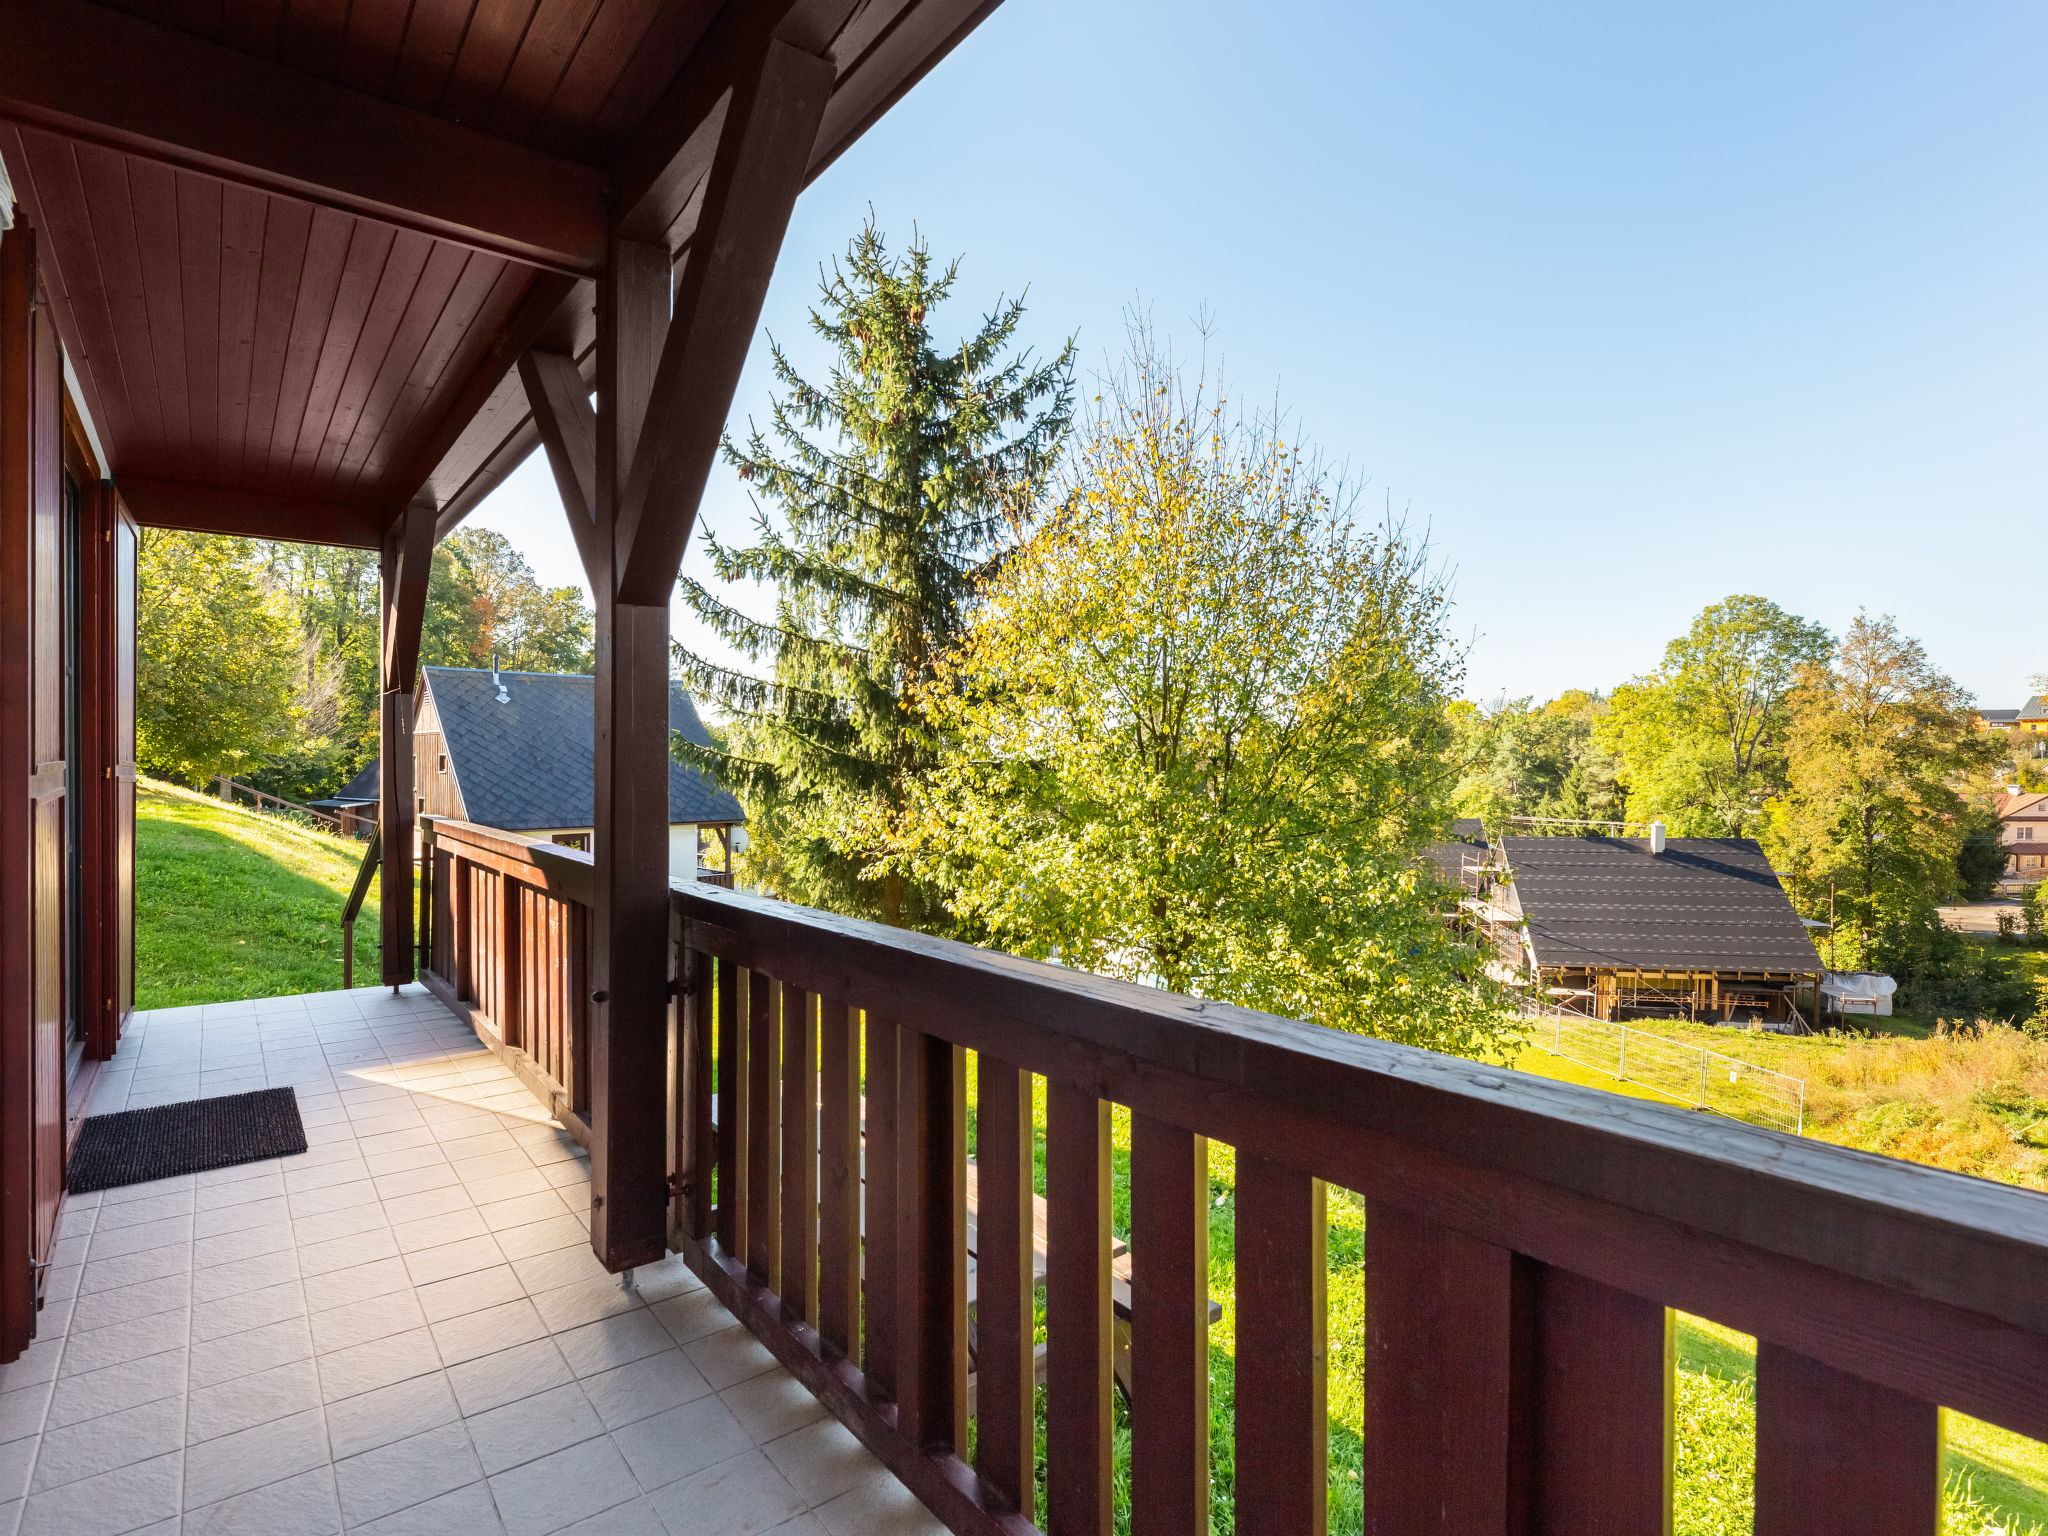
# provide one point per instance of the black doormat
(138, 1145)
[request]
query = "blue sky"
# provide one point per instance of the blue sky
(1632, 307)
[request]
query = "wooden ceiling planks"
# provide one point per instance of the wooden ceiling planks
(232, 329)
(226, 336)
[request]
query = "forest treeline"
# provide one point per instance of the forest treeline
(258, 660)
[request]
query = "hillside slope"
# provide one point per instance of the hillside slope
(232, 903)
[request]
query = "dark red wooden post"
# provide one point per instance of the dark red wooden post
(1840, 1456)
(881, 1353)
(1282, 1349)
(764, 1131)
(1077, 1312)
(931, 1251)
(1440, 1322)
(1594, 1428)
(732, 1109)
(407, 556)
(799, 1152)
(839, 1176)
(1006, 1385)
(1170, 1328)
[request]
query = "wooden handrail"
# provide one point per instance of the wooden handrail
(356, 896)
(228, 786)
(1525, 1238)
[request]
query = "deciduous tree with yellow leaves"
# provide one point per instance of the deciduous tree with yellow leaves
(1200, 730)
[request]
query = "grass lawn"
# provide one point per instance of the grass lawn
(233, 903)
(1967, 1103)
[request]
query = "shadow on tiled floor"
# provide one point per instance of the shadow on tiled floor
(403, 1330)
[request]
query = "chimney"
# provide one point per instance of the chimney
(1656, 837)
(498, 682)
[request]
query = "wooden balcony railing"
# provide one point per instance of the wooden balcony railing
(1525, 1240)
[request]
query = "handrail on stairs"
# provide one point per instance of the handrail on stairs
(356, 896)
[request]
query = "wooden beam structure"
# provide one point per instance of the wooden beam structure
(407, 557)
(99, 76)
(630, 473)
(251, 514)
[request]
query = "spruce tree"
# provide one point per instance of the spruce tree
(897, 483)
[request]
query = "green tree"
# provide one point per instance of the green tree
(217, 658)
(1701, 740)
(1870, 823)
(332, 593)
(1980, 855)
(1517, 759)
(1202, 735)
(483, 601)
(936, 458)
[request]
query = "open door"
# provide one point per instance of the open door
(37, 937)
(120, 800)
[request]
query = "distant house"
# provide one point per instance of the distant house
(514, 751)
(1700, 930)
(2026, 727)
(2023, 830)
(356, 801)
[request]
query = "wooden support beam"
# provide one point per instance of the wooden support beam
(629, 1193)
(567, 423)
(408, 555)
(250, 514)
(752, 183)
(93, 73)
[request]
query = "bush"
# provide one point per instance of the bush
(1940, 972)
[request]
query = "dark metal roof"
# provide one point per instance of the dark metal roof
(1705, 903)
(527, 763)
(2000, 716)
(1468, 842)
(360, 790)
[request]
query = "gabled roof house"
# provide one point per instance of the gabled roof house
(516, 751)
(1700, 928)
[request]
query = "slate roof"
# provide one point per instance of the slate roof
(2035, 708)
(360, 790)
(1704, 904)
(528, 763)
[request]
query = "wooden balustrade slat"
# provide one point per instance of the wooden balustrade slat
(1839, 1456)
(465, 932)
(931, 1241)
(839, 1165)
(882, 1310)
(764, 1134)
(1594, 1389)
(799, 1153)
(1077, 1312)
(1005, 1372)
(513, 905)
(1282, 1349)
(730, 1220)
(1169, 1327)
(692, 1134)
(1439, 1365)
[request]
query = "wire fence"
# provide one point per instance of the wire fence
(1687, 1074)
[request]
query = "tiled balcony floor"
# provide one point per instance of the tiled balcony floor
(403, 1330)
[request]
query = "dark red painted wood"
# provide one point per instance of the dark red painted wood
(881, 1310)
(1077, 1312)
(1593, 1411)
(799, 1153)
(1170, 1328)
(732, 1099)
(839, 1177)
(33, 837)
(1439, 1356)
(764, 1134)
(1004, 1368)
(931, 1228)
(1282, 1348)
(697, 1135)
(1839, 1456)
